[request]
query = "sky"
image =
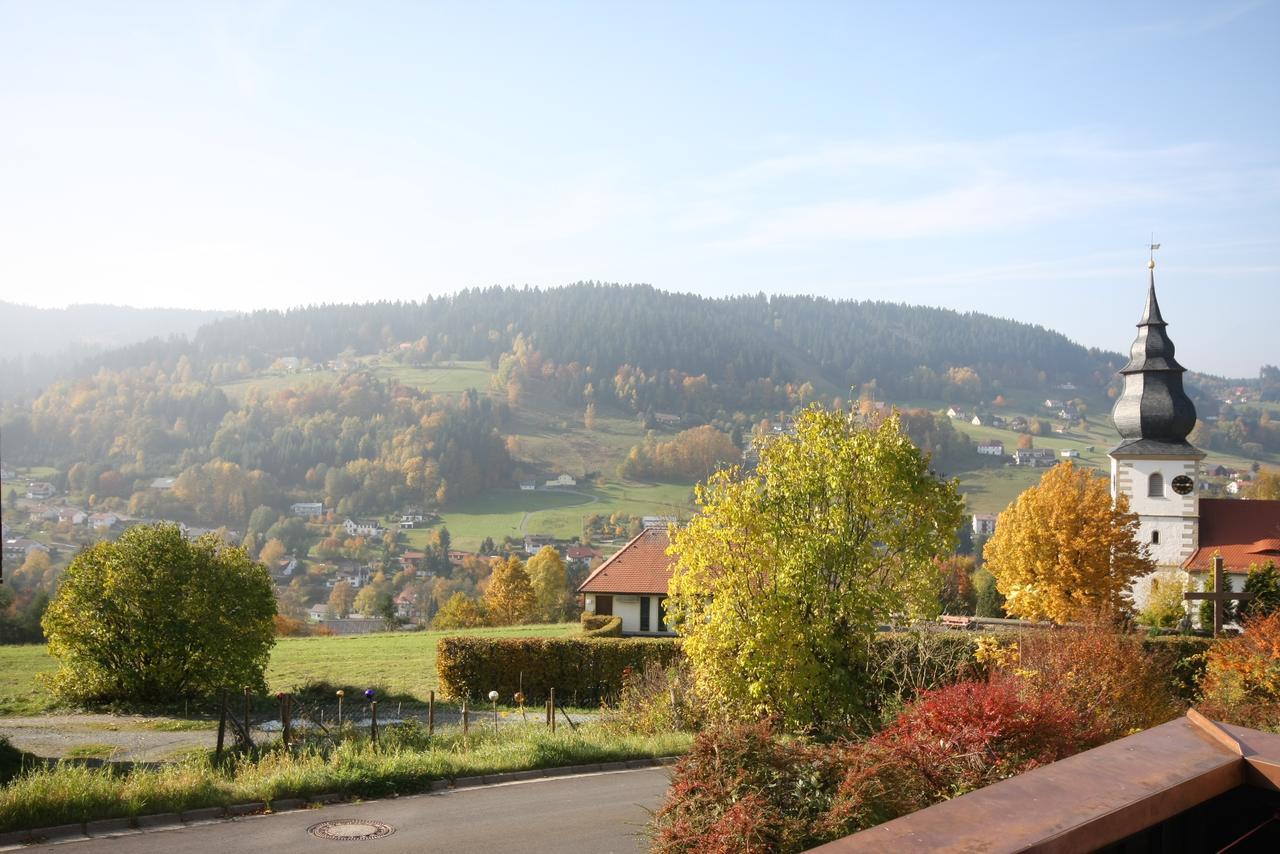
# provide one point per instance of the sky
(1012, 159)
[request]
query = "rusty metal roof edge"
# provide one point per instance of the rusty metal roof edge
(1085, 832)
(1215, 732)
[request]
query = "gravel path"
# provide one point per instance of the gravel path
(137, 738)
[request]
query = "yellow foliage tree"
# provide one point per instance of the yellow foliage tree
(550, 582)
(1062, 550)
(509, 599)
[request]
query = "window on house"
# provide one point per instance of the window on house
(662, 613)
(1155, 486)
(1155, 538)
(644, 613)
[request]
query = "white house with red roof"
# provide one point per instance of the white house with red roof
(632, 584)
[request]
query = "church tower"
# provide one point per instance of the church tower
(1154, 465)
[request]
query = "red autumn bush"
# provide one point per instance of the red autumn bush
(745, 788)
(1242, 676)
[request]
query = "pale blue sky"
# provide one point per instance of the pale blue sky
(1005, 158)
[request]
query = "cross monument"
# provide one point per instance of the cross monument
(1220, 595)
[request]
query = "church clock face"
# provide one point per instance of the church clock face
(1182, 485)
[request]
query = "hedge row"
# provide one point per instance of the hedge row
(594, 626)
(587, 669)
(1182, 656)
(582, 670)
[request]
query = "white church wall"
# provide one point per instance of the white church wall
(1168, 523)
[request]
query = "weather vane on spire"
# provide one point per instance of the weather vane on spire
(1152, 247)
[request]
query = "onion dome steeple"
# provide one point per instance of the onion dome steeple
(1153, 415)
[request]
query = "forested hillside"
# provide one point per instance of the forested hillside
(649, 349)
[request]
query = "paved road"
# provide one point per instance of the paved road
(592, 813)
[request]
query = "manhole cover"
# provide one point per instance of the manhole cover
(351, 829)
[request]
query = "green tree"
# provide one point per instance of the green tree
(550, 582)
(509, 598)
(782, 579)
(989, 602)
(1063, 550)
(153, 617)
(1264, 583)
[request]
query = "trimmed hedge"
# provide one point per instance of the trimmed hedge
(582, 670)
(601, 627)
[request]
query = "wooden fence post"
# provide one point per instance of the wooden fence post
(373, 723)
(222, 727)
(431, 714)
(553, 710)
(288, 719)
(465, 722)
(248, 734)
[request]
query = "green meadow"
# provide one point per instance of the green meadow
(398, 663)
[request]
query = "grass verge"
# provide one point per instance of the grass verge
(407, 763)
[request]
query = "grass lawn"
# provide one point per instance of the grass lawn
(398, 663)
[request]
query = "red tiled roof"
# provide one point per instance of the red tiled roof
(1243, 532)
(641, 566)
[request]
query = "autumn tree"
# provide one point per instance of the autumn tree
(459, 612)
(1264, 583)
(1265, 486)
(153, 617)
(272, 553)
(509, 599)
(366, 601)
(781, 580)
(341, 600)
(550, 582)
(1063, 550)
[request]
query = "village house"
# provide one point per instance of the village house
(666, 418)
(1054, 404)
(984, 524)
(1070, 454)
(72, 516)
(41, 491)
(318, 612)
(355, 575)
(21, 547)
(404, 604)
(286, 566)
(103, 521)
(1234, 487)
(362, 529)
(412, 561)
(534, 542)
(1018, 422)
(562, 480)
(958, 414)
(991, 447)
(528, 485)
(582, 554)
(42, 513)
(307, 509)
(657, 521)
(632, 584)
(1034, 457)
(163, 483)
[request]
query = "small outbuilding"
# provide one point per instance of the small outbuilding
(632, 584)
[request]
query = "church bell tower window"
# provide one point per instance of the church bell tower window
(1155, 486)
(1155, 538)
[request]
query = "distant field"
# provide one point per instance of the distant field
(398, 663)
(440, 380)
(560, 513)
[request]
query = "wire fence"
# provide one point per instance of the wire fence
(248, 720)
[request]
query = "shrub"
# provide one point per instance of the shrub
(582, 670)
(1102, 673)
(601, 626)
(902, 665)
(152, 616)
(1181, 659)
(1242, 676)
(744, 789)
(656, 699)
